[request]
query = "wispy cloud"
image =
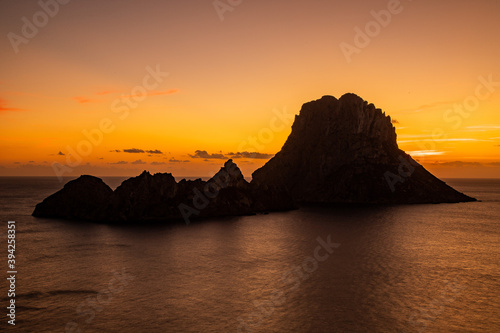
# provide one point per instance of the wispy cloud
(205, 155)
(4, 106)
(156, 151)
(107, 92)
(461, 164)
(138, 162)
(154, 93)
(119, 162)
(417, 153)
(133, 151)
(483, 128)
(445, 140)
(429, 106)
(246, 154)
(173, 160)
(458, 164)
(158, 163)
(138, 151)
(84, 100)
(165, 92)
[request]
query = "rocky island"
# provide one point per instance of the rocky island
(159, 198)
(340, 151)
(345, 151)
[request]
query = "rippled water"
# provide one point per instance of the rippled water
(416, 268)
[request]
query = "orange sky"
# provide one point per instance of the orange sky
(177, 86)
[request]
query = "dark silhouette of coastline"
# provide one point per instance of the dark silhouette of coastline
(340, 151)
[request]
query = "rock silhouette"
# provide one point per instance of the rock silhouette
(85, 198)
(345, 151)
(340, 151)
(159, 198)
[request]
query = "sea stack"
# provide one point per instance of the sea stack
(345, 151)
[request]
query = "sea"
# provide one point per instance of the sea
(405, 268)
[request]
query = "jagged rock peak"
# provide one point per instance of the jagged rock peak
(229, 175)
(349, 115)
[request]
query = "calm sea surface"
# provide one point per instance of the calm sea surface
(415, 268)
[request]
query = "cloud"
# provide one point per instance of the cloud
(430, 106)
(158, 163)
(106, 92)
(61, 153)
(156, 151)
(166, 92)
(425, 153)
(138, 162)
(83, 100)
(445, 140)
(133, 151)
(153, 93)
(173, 160)
(207, 156)
(484, 128)
(457, 164)
(394, 121)
(4, 107)
(463, 164)
(119, 162)
(138, 151)
(246, 154)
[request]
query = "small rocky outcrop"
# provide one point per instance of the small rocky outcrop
(345, 151)
(159, 198)
(85, 198)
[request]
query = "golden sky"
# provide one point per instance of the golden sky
(117, 87)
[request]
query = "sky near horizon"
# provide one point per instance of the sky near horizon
(117, 87)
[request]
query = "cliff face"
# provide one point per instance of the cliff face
(345, 151)
(159, 198)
